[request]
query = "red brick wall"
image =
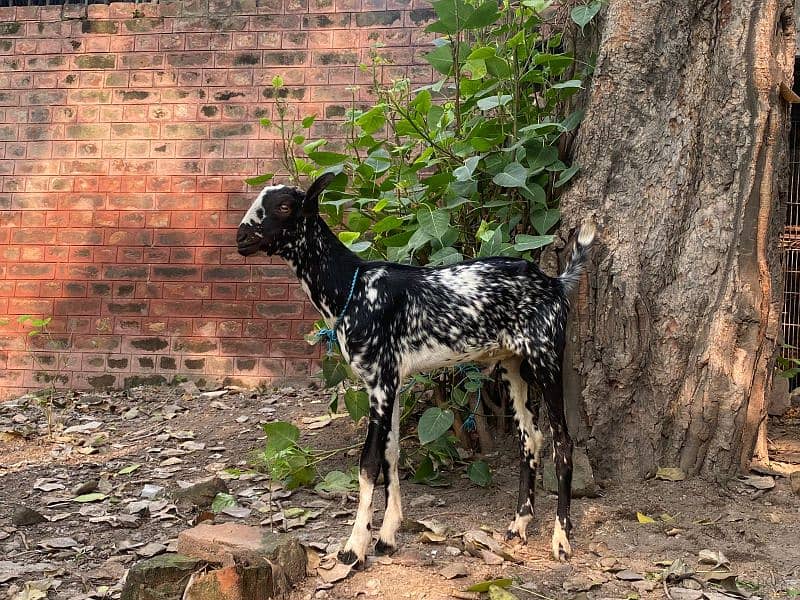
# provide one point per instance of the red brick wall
(125, 134)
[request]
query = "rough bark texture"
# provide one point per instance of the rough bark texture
(681, 150)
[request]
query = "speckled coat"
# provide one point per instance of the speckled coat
(405, 319)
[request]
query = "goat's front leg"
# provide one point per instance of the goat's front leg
(387, 542)
(373, 457)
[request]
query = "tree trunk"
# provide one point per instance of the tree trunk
(682, 151)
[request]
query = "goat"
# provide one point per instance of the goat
(393, 320)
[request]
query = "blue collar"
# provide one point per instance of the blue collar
(329, 334)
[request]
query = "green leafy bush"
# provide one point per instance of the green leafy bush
(468, 166)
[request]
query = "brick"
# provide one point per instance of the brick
(96, 61)
(232, 543)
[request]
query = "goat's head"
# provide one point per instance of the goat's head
(275, 216)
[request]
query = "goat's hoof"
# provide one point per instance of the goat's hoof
(562, 551)
(348, 557)
(515, 535)
(384, 549)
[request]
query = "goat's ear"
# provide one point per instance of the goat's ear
(311, 201)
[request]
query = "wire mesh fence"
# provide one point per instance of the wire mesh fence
(790, 243)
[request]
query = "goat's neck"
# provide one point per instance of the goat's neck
(324, 266)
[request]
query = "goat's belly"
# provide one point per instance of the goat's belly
(430, 357)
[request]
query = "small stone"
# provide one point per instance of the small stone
(151, 549)
(683, 593)
(85, 488)
(490, 558)
(83, 428)
(628, 575)
(794, 480)
(150, 491)
(24, 516)
(582, 583)
(454, 570)
(644, 585)
(452, 551)
(202, 493)
(423, 500)
(58, 543)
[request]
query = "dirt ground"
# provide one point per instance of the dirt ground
(176, 435)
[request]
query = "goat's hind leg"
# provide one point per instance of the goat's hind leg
(373, 457)
(562, 454)
(526, 415)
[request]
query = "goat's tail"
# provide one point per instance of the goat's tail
(569, 278)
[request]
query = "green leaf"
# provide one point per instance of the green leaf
(311, 146)
(277, 81)
(441, 59)
(433, 424)
(483, 586)
(261, 179)
(494, 101)
(568, 85)
(221, 502)
(498, 593)
(573, 120)
(643, 518)
(426, 474)
(308, 121)
(434, 223)
(583, 14)
(531, 242)
(265, 122)
(445, 256)
(327, 159)
(334, 371)
(379, 160)
(465, 171)
(476, 68)
(534, 193)
(543, 220)
(484, 15)
(514, 175)
(93, 497)
(337, 481)
(348, 237)
(479, 473)
(566, 175)
(422, 102)
(482, 52)
(386, 224)
(280, 436)
(357, 403)
(372, 120)
(129, 469)
(453, 14)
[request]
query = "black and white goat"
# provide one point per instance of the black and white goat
(404, 319)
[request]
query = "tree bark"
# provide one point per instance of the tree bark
(681, 152)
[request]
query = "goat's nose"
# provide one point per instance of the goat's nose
(241, 235)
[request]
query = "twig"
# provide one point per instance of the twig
(666, 590)
(522, 589)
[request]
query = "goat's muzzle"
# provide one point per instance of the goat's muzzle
(248, 240)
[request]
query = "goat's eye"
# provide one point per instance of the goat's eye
(284, 209)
